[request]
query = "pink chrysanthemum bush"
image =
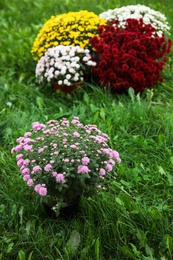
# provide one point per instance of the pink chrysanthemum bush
(62, 159)
(130, 56)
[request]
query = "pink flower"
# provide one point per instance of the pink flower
(65, 134)
(37, 126)
(99, 139)
(18, 148)
(48, 167)
(66, 160)
(54, 174)
(20, 162)
(109, 167)
(25, 171)
(111, 162)
(28, 140)
(46, 131)
(21, 168)
(88, 131)
(42, 191)
(30, 182)
(52, 161)
(20, 139)
(75, 121)
(83, 169)
(102, 171)
(27, 134)
(26, 177)
(60, 178)
(73, 146)
(115, 155)
(76, 134)
(13, 150)
(85, 160)
(56, 153)
(65, 122)
(40, 150)
(27, 147)
(26, 162)
(118, 159)
(105, 151)
(36, 168)
(37, 187)
(19, 156)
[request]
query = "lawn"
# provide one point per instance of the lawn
(132, 217)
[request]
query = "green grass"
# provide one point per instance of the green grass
(132, 217)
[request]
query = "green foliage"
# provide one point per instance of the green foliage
(132, 217)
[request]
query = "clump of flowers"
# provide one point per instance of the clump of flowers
(149, 16)
(62, 159)
(73, 28)
(64, 65)
(133, 56)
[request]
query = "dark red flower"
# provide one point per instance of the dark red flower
(130, 57)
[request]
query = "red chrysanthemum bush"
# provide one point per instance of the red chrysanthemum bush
(133, 56)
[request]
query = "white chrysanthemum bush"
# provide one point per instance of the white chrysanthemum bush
(64, 65)
(149, 16)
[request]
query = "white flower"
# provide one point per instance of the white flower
(91, 63)
(56, 64)
(50, 75)
(86, 51)
(76, 59)
(57, 73)
(67, 57)
(63, 70)
(68, 76)
(77, 66)
(86, 58)
(76, 77)
(66, 82)
(59, 82)
(150, 16)
(71, 70)
(72, 53)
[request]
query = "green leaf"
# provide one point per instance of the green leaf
(97, 249)
(86, 98)
(161, 171)
(102, 113)
(10, 247)
(119, 201)
(73, 242)
(21, 255)
(21, 215)
(30, 256)
(39, 102)
(131, 93)
(171, 159)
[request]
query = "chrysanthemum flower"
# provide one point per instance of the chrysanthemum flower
(73, 28)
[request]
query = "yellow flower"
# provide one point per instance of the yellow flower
(73, 28)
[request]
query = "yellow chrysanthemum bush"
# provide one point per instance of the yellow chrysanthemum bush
(73, 28)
